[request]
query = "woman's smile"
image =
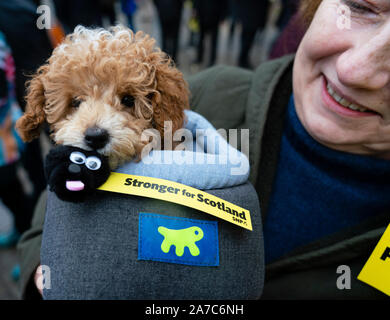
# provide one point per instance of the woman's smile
(341, 104)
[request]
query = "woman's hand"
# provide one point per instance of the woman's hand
(38, 279)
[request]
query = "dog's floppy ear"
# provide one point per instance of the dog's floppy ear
(173, 97)
(29, 125)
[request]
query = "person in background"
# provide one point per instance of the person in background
(169, 13)
(253, 17)
(289, 39)
(107, 8)
(73, 12)
(11, 147)
(129, 7)
(289, 8)
(232, 15)
(292, 30)
(209, 14)
(30, 48)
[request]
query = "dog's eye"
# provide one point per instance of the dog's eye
(76, 102)
(93, 163)
(77, 157)
(128, 101)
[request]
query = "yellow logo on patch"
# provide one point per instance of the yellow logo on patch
(376, 271)
(180, 239)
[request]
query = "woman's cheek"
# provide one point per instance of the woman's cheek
(324, 37)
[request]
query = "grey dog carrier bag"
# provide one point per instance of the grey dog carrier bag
(117, 246)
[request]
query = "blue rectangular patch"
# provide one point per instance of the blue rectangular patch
(178, 240)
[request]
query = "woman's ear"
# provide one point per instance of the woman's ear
(29, 125)
(172, 100)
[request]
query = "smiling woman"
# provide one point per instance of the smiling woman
(341, 87)
(320, 145)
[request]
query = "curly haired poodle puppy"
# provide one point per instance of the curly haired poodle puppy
(101, 88)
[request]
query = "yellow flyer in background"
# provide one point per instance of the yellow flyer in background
(376, 271)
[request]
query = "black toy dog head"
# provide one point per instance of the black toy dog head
(73, 173)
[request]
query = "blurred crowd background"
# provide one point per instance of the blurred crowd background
(196, 33)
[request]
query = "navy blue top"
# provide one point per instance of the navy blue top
(318, 191)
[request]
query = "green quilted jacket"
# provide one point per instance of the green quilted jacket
(233, 98)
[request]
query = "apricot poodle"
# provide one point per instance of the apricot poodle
(101, 88)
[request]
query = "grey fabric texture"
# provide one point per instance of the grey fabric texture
(92, 248)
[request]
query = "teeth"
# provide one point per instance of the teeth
(344, 102)
(336, 97)
(354, 107)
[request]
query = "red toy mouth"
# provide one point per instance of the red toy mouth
(74, 185)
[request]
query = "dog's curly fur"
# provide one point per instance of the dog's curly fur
(98, 67)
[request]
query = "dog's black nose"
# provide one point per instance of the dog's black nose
(96, 137)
